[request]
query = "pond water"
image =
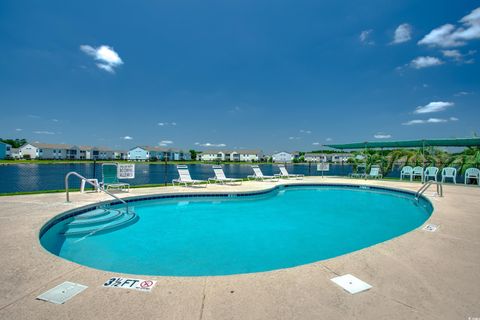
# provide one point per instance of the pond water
(39, 177)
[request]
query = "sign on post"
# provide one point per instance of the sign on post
(323, 167)
(126, 171)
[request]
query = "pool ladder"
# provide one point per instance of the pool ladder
(426, 186)
(94, 185)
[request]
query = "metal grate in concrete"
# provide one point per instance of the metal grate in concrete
(351, 284)
(62, 293)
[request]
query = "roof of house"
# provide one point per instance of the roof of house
(292, 153)
(49, 145)
(158, 149)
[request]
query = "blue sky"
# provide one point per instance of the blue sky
(282, 75)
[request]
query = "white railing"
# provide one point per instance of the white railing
(94, 185)
(426, 186)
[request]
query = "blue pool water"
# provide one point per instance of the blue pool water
(220, 236)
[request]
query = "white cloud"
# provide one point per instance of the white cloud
(431, 120)
(455, 54)
(18, 129)
(305, 131)
(127, 138)
(365, 36)
(328, 139)
(107, 57)
(458, 56)
(436, 120)
(163, 124)
(403, 33)
(453, 119)
(44, 132)
(208, 144)
(450, 35)
(165, 143)
(55, 120)
(434, 106)
(316, 143)
(106, 67)
(382, 136)
(293, 138)
(462, 93)
(425, 62)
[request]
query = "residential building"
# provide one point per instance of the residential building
(231, 155)
(283, 157)
(48, 151)
(315, 157)
(340, 157)
(120, 154)
(85, 152)
(28, 151)
(146, 153)
(5, 149)
(15, 153)
(102, 153)
(138, 154)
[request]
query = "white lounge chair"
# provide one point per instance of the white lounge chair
(407, 171)
(284, 173)
(221, 178)
(472, 173)
(374, 173)
(449, 173)
(430, 172)
(417, 172)
(258, 175)
(185, 178)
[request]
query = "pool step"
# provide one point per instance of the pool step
(99, 222)
(96, 219)
(92, 214)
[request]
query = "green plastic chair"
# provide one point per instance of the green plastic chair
(110, 179)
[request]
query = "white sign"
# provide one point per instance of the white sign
(323, 167)
(126, 171)
(133, 284)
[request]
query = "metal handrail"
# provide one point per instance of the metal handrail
(94, 185)
(426, 186)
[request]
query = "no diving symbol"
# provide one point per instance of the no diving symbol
(146, 284)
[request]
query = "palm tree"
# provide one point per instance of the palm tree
(468, 158)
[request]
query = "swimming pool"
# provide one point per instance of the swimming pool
(223, 234)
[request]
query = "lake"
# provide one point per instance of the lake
(40, 177)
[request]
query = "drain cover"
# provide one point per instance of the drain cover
(62, 292)
(351, 283)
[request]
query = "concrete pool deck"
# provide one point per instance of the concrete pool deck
(420, 275)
